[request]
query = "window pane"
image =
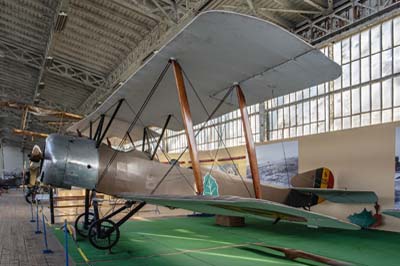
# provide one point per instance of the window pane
(376, 96)
(365, 99)
(396, 31)
(321, 127)
(299, 114)
(375, 117)
(286, 118)
(396, 91)
(345, 51)
(299, 131)
(293, 115)
(355, 72)
(337, 124)
(355, 121)
(313, 128)
(387, 35)
(346, 122)
(355, 98)
(321, 88)
(346, 103)
(337, 53)
(386, 63)
(306, 112)
(387, 93)
(306, 130)
(386, 116)
(365, 43)
(355, 47)
(313, 110)
(280, 118)
(306, 93)
(338, 104)
(365, 119)
(396, 63)
(375, 39)
(375, 66)
(299, 95)
(365, 70)
(313, 91)
(337, 84)
(396, 114)
(292, 97)
(321, 109)
(346, 75)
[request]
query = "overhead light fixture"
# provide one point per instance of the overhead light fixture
(41, 85)
(117, 85)
(49, 61)
(61, 21)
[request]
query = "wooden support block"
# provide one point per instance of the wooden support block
(230, 221)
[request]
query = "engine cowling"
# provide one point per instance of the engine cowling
(70, 161)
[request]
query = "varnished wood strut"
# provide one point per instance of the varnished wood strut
(251, 152)
(188, 123)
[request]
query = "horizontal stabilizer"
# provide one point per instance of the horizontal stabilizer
(342, 195)
(392, 212)
(243, 207)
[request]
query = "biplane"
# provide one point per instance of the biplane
(219, 62)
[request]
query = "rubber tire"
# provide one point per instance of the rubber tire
(92, 232)
(77, 222)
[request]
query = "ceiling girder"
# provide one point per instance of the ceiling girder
(27, 57)
(342, 17)
(53, 66)
(16, 94)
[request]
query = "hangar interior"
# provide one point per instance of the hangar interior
(63, 63)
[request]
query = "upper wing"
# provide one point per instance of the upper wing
(238, 206)
(216, 49)
(342, 195)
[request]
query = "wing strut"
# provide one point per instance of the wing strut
(187, 121)
(251, 152)
(161, 137)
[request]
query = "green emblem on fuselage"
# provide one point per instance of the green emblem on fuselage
(210, 186)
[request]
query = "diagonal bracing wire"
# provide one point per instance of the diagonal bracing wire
(136, 118)
(216, 130)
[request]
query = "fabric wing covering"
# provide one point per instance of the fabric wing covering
(243, 207)
(215, 50)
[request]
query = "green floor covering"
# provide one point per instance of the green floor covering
(198, 241)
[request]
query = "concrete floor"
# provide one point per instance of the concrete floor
(19, 245)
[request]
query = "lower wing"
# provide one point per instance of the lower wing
(341, 195)
(242, 207)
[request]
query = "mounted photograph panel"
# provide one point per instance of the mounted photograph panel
(277, 163)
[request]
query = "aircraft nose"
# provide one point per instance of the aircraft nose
(70, 161)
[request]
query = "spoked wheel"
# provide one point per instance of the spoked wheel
(103, 234)
(80, 225)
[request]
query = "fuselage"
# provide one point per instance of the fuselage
(75, 161)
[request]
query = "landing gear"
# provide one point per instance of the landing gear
(102, 232)
(81, 227)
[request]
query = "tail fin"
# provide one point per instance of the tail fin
(317, 178)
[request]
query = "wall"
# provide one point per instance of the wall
(13, 158)
(361, 158)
